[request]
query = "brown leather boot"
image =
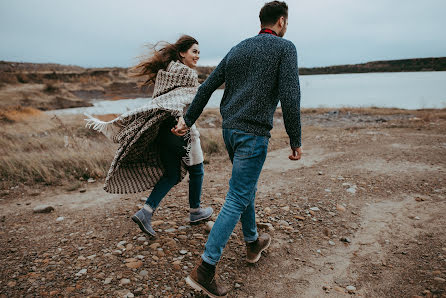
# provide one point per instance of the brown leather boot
(254, 249)
(203, 278)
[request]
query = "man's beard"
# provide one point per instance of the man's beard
(281, 33)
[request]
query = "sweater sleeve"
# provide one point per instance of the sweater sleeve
(289, 94)
(215, 80)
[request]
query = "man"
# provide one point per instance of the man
(258, 73)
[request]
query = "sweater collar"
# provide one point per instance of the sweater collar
(267, 31)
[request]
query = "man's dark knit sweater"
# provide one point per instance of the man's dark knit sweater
(258, 73)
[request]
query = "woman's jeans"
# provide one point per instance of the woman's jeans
(247, 153)
(172, 152)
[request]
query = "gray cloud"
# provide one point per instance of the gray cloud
(113, 33)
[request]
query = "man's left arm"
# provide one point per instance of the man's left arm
(289, 96)
(215, 80)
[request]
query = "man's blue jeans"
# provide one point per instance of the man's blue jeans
(247, 153)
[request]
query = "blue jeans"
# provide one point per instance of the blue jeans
(172, 151)
(247, 153)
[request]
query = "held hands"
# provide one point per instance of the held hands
(296, 153)
(181, 128)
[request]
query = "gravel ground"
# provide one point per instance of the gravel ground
(362, 214)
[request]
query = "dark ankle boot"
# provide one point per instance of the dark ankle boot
(203, 278)
(254, 249)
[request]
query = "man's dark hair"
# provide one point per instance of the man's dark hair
(272, 11)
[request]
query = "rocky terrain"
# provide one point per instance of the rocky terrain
(362, 214)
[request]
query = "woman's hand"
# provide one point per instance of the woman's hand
(181, 128)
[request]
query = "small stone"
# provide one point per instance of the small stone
(143, 273)
(81, 272)
(171, 230)
(124, 281)
(267, 210)
(338, 289)
(209, 226)
(141, 239)
(340, 208)
(320, 173)
(43, 209)
(91, 257)
(314, 209)
(419, 199)
(91, 180)
(81, 258)
(108, 280)
(157, 223)
(237, 285)
(286, 208)
(416, 218)
(177, 265)
(198, 236)
(82, 190)
(117, 252)
(160, 253)
(345, 239)
(439, 279)
(319, 251)
(12, 283)
(134, 265)
(352, 189)
(129, 295)
(60, 218)
(298, 217)
(183, 251)
(154, 245)
(350, 289)
(267, 225)
(283, 223)
(331, 243)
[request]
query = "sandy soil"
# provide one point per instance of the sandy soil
(364, 208)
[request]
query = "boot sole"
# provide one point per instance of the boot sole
(197, 287)
(141, 226)
(260, 254)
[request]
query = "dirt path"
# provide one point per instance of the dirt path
(381, 190)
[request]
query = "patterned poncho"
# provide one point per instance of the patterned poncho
(137, 165)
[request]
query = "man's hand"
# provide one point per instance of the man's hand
(296, 153)
(181, 128)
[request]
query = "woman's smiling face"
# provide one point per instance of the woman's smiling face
(191, 57)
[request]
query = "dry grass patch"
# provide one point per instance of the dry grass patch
(50, 150)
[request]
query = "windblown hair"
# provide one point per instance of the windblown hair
(161, 54)
(272, 11)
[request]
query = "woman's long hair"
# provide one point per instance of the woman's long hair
(162, 53)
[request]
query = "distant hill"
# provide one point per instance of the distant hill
(404, 65)
(49, 86)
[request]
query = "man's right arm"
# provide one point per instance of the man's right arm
(289, 94)
(215, 80)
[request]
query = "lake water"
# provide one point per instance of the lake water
(404, 90)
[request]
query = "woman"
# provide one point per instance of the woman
(150, 155)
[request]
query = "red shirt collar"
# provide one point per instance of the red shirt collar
(267, 31)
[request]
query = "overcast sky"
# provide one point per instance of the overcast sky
(97, 33)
